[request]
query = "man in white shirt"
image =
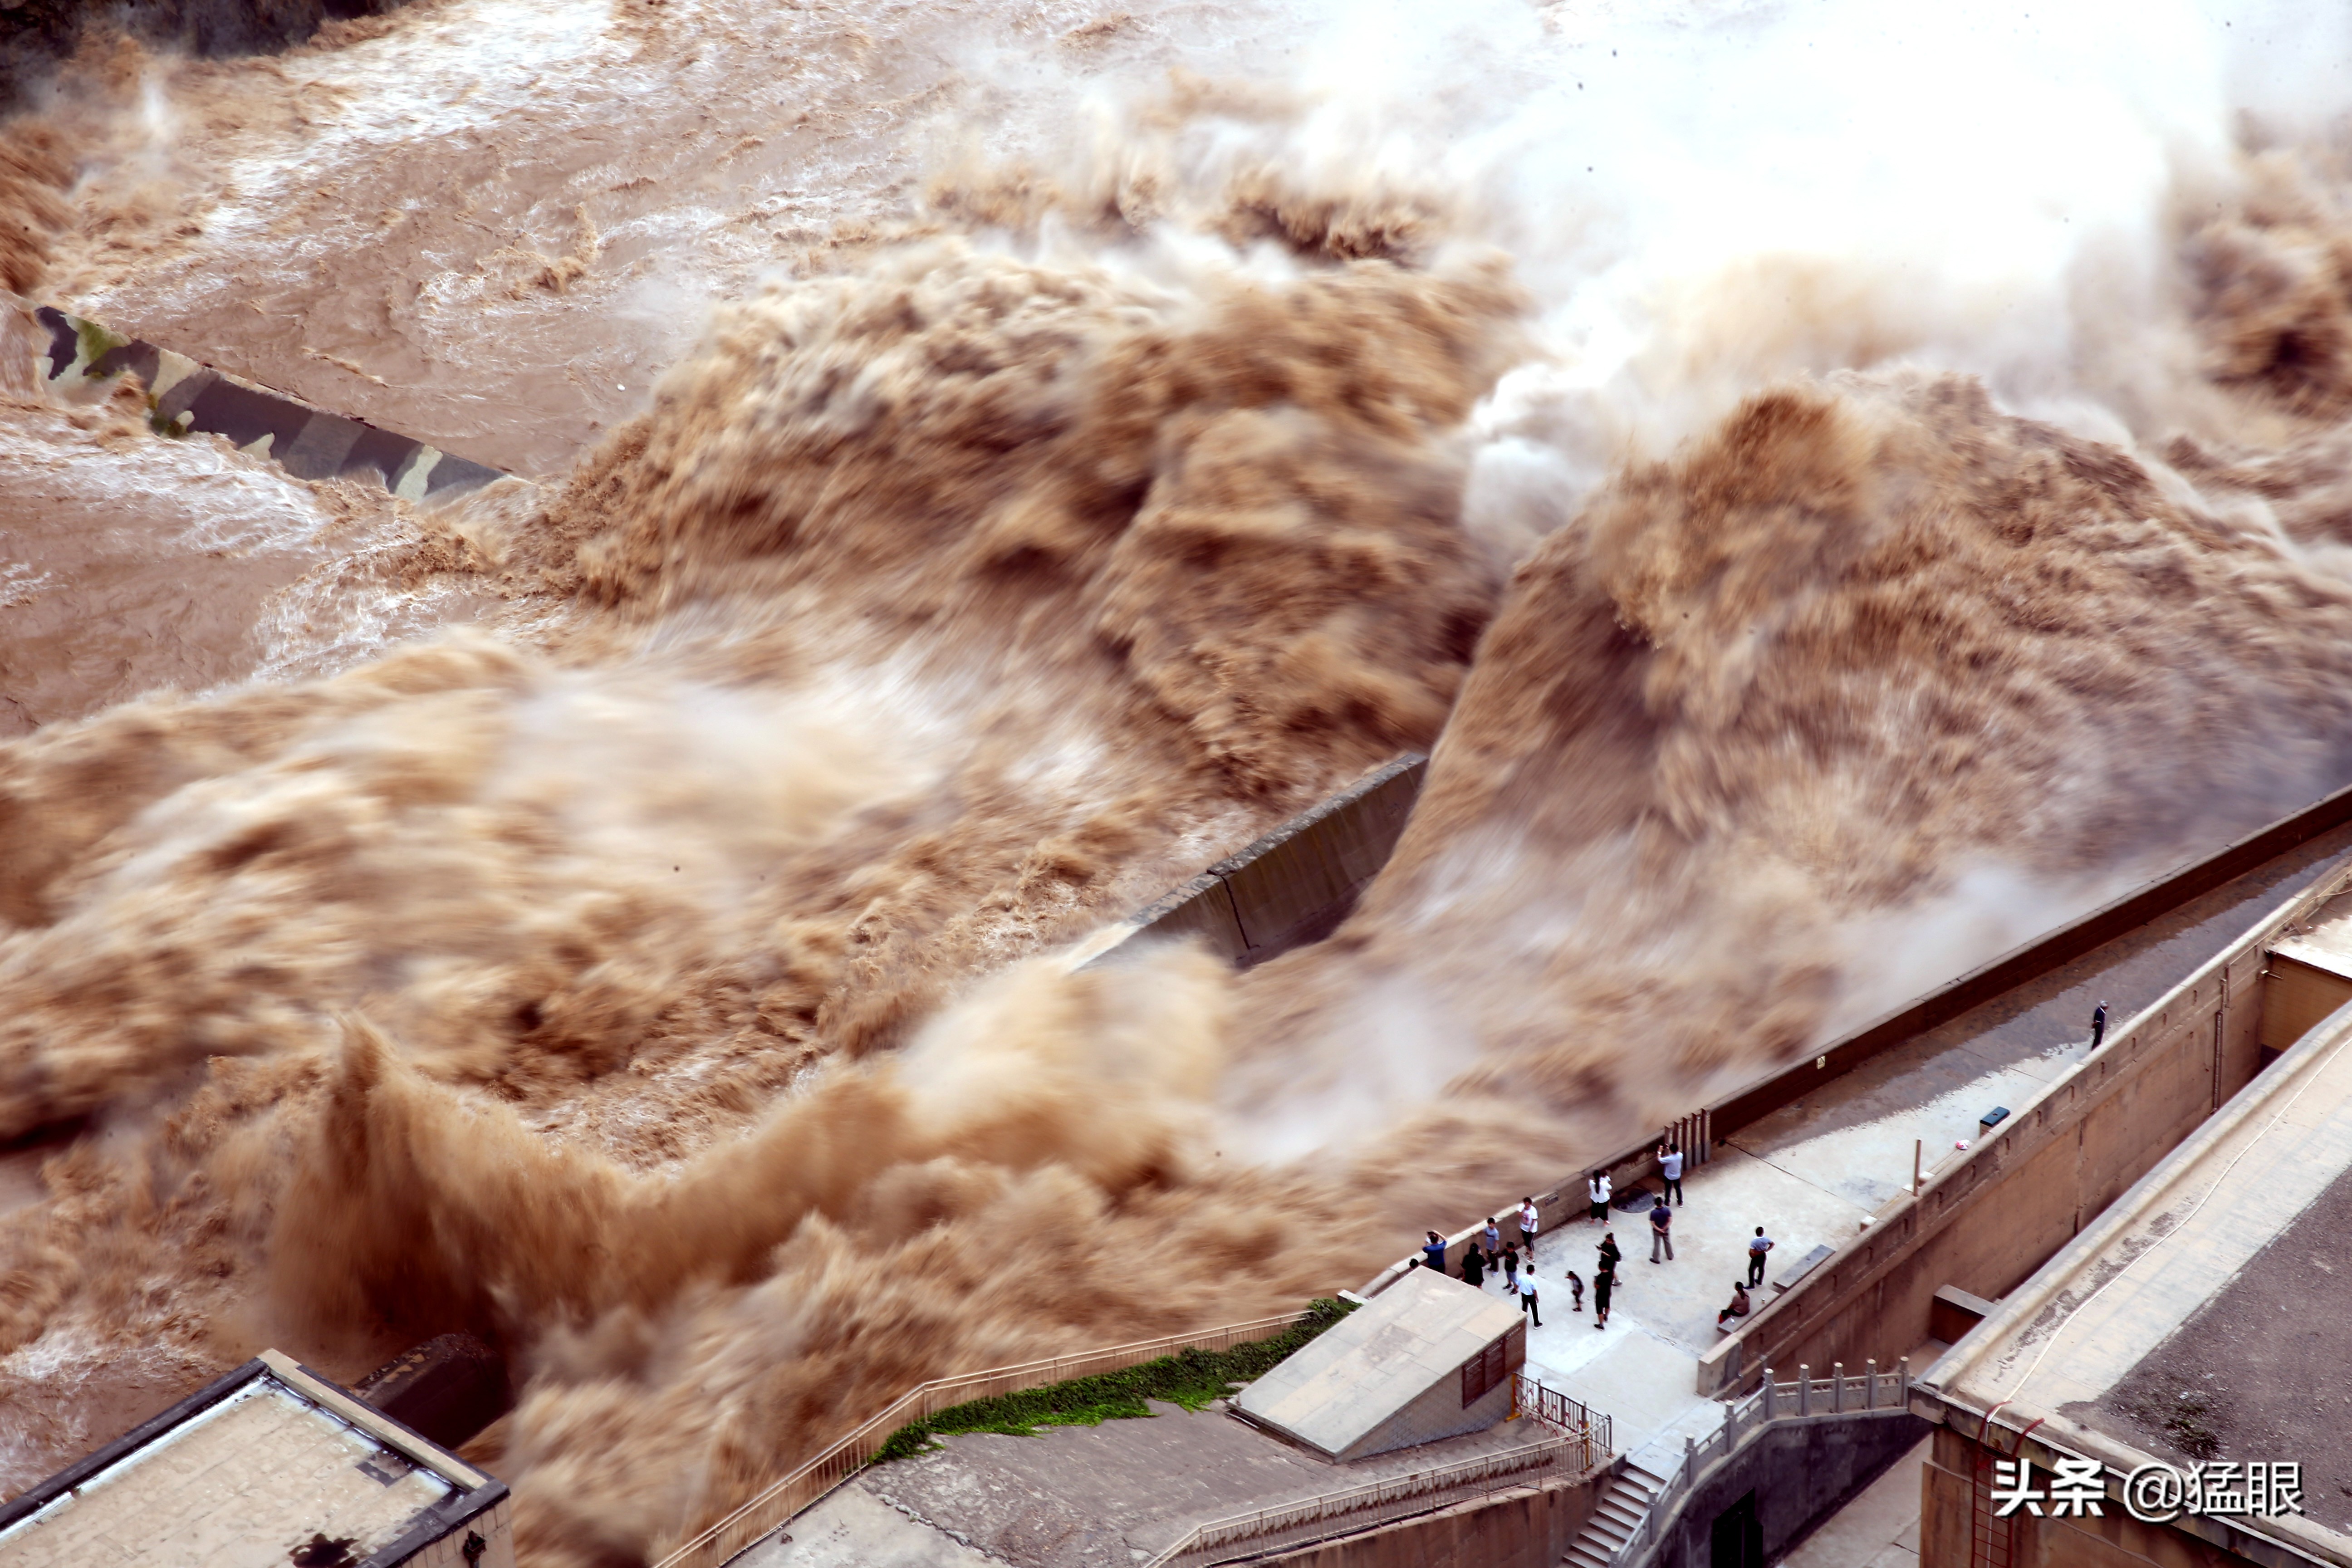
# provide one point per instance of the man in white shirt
(1757, 1248)
(1670, 1165)
(1528, 1224)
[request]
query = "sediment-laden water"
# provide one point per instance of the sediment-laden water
(1836, 494)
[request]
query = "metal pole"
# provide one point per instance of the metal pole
(1690, 1459)
(1918, 1152)
(1837, 1387)
(1870, 1376)
(1769, 1411)
(1903, 1380)
(1804, 1389)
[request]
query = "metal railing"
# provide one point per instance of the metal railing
(1362, 1506)
(1591, 1430)
(1694, 1135)
(1806, 1398)
(783, 1498)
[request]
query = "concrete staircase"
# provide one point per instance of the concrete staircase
(1623, 1505)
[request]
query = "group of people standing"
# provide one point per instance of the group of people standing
(1488, 1254)
(1599, 1190)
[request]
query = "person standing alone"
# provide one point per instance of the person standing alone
(1528, 1293)
(1758, 1247)
(1597, 1189)
(1661, 1221)
(2098, 1024)
(1669, 1164)
(1529, 1223)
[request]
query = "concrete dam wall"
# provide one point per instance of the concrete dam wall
(1298, 883)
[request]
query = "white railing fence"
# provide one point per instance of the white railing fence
(1839, 1394)
(788, 1494)
(1362, 1506)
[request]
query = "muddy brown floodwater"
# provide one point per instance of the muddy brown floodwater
(979, 464)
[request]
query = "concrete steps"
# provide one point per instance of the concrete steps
(1613, 1522)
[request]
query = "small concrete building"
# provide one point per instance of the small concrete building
(268, 1466)
(1428, 1358)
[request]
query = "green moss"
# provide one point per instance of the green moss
(96, 341)
(1190, 1378)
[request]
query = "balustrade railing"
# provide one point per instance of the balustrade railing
(1372, 1503)
(1577, 1442)
(1809, 1397)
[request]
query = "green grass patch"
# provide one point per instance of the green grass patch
(1190, 1378)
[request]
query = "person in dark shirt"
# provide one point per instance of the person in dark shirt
(1758, 1247)
(1603, 1284)
(1610, 1253)
(2098, 1024)
(1474, 1268)
(1662, 1219)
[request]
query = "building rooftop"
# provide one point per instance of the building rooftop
(268, 1466)
(1335, 1393)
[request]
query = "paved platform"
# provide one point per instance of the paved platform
(1642, 1369)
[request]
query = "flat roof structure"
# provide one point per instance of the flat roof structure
(268, 1466)
(2197, 1321)
(1423, 1360)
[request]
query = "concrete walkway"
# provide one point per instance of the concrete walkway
(1879, 1528)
